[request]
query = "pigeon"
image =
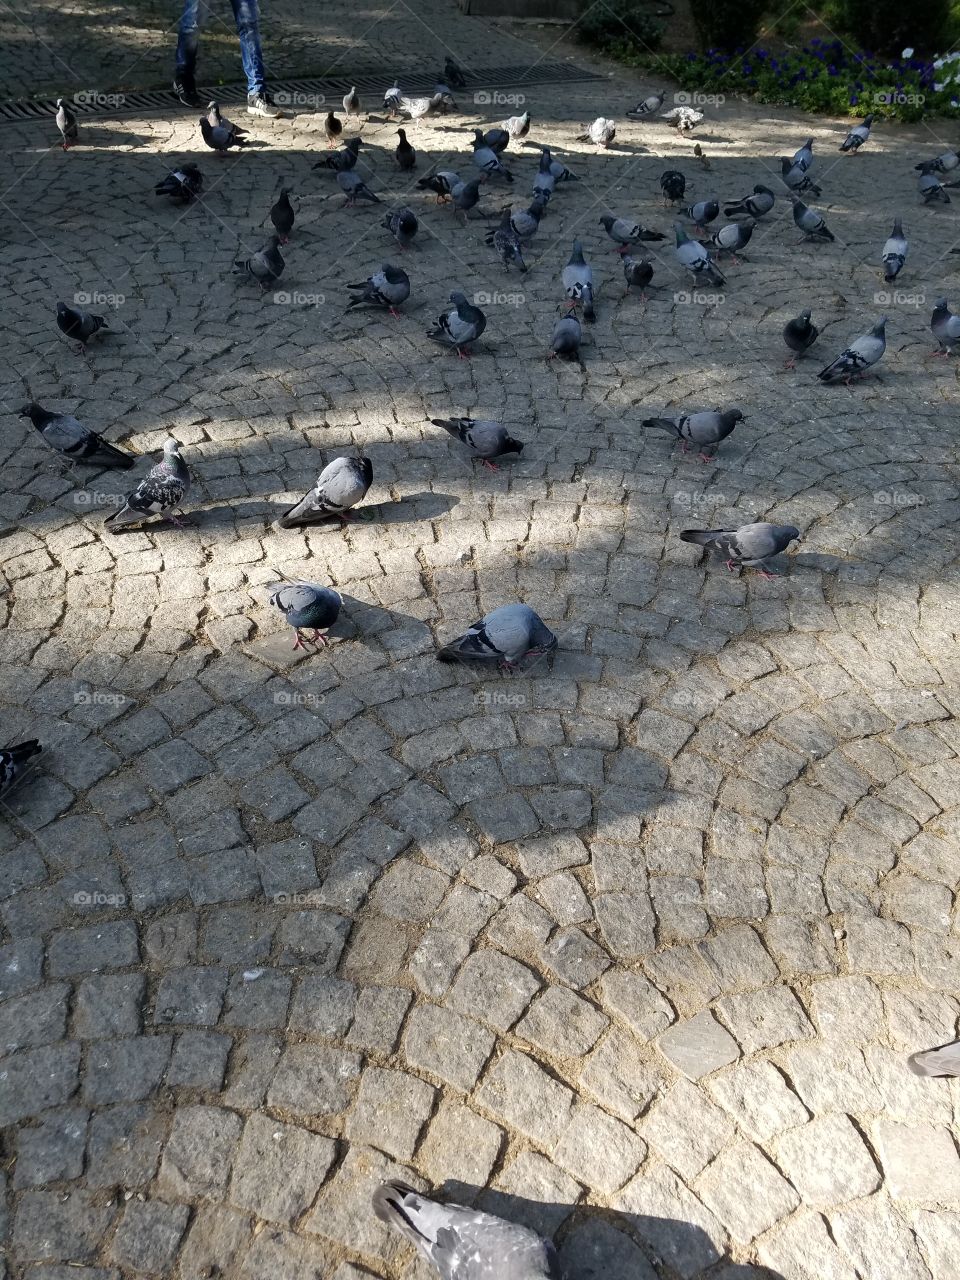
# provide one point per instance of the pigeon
(466, 196)
(406, 156)
(703, 211)
(559, 170)
(447, 101)
(441, 183)
(13, 761)
(219, 138)
(857, 136)
(797, 180)
(342, 160)
(945, 327)
(701, 155)
(732, 237)
(749, 545)
(507, 243)
(859, 357)
(67, 124)
(944, 1061)
(566, 338)
(545, 182)
(354, 188)
(810, 222)
(351, 103)
(803, 158)
(517, 126)
(417, 108)
(459, 325)
(181, 185)
(799, 334)
(73, 440)
(486, 438)
(340, 485)
(673, 184)
(79, 325)
(161, 490)
(931, 188)
(219, 121)
(683, 119)
(332, 128)
(496, 139)
(392, 99)
(306, 604)
(453, 74)
(486, 159)
(648, 107)
(759, 202)
(281, 215)
(601, 133)
(577, 280)
(462, 1243)
(942, 164)
(389, 287)
(507, 634)
(894, 252)
(705, 429)
(637, 272)
(624, 233)
(694, 256)
(265, 266)
(524, 222)
(402, 225)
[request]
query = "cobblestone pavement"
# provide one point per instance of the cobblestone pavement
(632, 946)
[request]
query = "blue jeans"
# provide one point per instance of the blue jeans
(247, 17)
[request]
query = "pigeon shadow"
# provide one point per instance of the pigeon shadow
(425, 505)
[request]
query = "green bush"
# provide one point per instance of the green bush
(887, 26)
(727, 24)
(621, 27)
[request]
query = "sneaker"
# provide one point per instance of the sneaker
(259, 104)
(186, 91)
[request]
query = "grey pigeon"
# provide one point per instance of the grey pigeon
(265, 266)
(601, 133)
(354, 188)
(441, 183)
(507, 243)
(14, 759)
(524, 222)
(624, 233)
(559, 170)
(341, 485)
(405, 154)
(453, 73)
(810, 222)
(67, 124)
(306, 605)
(508, 634)
(351, 102)
(799, 334)
(694, 256)
(518, 126)
(750, 545)
(894, 252)
(759, 202)
(683, 119)
(577, 280)
(944, 1061)
(282, 215)
(332, 128)
(389, 287)
(637, 272)
(343, 159)
(672, 186)
(466, 196)
(78, 325)
(705, 429)
(703, 211)
(945, 327)
(804, 156)
(392, 99)
(161, 491)
(447, 101)
(732, 237)
(486, 438)
(487, 160)
(941, 164)
(219, 138)
(496, 139)
(931, 188)
(181, 185)
(857, 136)
(545, 181)
(219, 121)
(566, 338)
(418, 108)
(462, 1243)
(796, 179)
(648, 107)
(459, 325)
(402, 225)
(73, 440)
(859, 357)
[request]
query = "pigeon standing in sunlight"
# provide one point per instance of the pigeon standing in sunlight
(402, 225)
(944, 1061)
(810, 222)
(705, 429)
(219, 121)
(392, 99)
(14, 759)
(857, 136)
(79, 326)
(648, 107)
(160, 492)
(683, 119)
(601, 133)
(577, 278)
(282, 215)
(486, 438)
(306, 605)
(462, 1243)
(751, 545)
(803, 156)
(219, 138)
(389, 288)
(894, 252)
(507, 634)
(459, 325)
(70, 438)
(265, 266)
(405, 154)
(67, 124)
(332, 129)
(759, 202)
(487, 160)
(181, 185)
(799, 334)
(859, 357)
(351, 103)
(945, 327)
(340, 485)
(496, 139)
(518, 126)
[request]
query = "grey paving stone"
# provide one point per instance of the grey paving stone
(109, 1005)
(322, 1006)
(173, 764)
(490, 876)
(149, 1235)
(562, 1024)
(698, 1046)
(21, 966)
(504, 817)
(391, 1110)
(192, 996)
(313, 937)
(518, 1092)
(758, 1098)
(53, 1151)
(447, 1045)
(672, 1222)
(939, 1235)
(52, 1226)
(627, 923)
(379, 1014)
(920, 1162)
(802, 1247)
(111, 945)
(199, 1153)
(124, 1145)
(573, 958)
(257, 999)
(494, 988)
(35, 1079)
(547, 854)
(847, 1009)
(125, 1070)
(533, 1192)
(314, 1081)
(599, 1151)
(199, 1060)
(341, 1212)
(686, 1129)
(460, 1148)
(217, 1237)
(279, 1169)
(34, 1019)
(763, 1019)
(407, 891)
(871, 1234)
(745, 1192)
(827, 1161)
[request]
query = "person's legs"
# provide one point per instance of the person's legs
(188, 37)
(246, 13)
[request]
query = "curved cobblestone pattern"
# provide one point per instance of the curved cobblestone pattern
(631, 946)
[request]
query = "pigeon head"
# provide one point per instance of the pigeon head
(879, 327)
(403, 134)
(869, 120)
(28, 410)
(171, 446)
(59, 102)
(941, 304)
(805, 314)
(458, 298)
(213, 106)
(607, 221)
(793, 531)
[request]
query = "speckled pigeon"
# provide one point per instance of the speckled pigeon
(648, 107)
(750, 545)
(894, 252)
(637, 272)
(506, 242)
(73, 440)
(508, 634)
(704, 429)
(857, 136)
(341, 485)
(859, 357)
(306, 605)
(14, 759)
(486, 438)
(683, 119)
(181, 185)
(160, 492)
(389, 288)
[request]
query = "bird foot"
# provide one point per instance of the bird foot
(730, 565)
(319, 638)
(491, 466)
(765, 574)
(705, 457)
(790, 364)
(463, 355)
(394, 312)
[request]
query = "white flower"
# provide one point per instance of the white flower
(907, 53)
(938, 88)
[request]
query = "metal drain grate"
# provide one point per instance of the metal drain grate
(370, 84)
